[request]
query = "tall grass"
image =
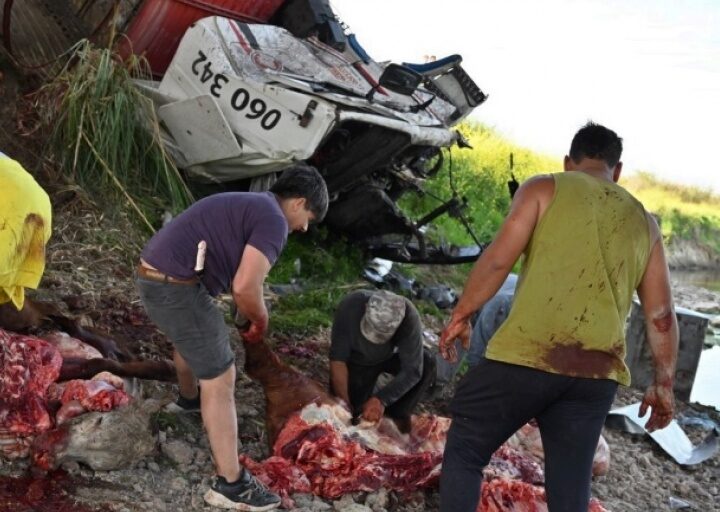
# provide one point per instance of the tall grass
(105, 135)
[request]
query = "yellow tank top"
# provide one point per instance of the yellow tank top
(585, 259)
(25, 218)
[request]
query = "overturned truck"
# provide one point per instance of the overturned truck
(244, 89)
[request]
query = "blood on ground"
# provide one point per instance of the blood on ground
(49, 493)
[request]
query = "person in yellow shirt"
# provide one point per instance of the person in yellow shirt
(25, 227)
(559, 355)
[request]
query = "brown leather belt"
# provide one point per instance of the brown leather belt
(156, 275)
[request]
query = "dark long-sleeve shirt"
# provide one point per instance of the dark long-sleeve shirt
(350, 346)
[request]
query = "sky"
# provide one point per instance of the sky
(648, 69)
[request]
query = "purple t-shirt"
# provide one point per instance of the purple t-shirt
(227, 222)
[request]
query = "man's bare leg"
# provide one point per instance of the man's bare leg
(187, 383)
(220, 420)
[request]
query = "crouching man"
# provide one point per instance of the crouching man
(374, 333)
(244, 233)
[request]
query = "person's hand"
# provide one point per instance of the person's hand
(255, 333)
(373, 410)
(661, 400)
(456, 328)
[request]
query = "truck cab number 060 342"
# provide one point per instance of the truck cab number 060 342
(241, 100)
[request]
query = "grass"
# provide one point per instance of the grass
(329, 268)
(685, 212)
(104, 135)
(480, 175)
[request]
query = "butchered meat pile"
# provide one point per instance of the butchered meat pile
(31, 399)
(319, 452)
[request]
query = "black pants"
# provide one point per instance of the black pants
(362, 379)
(494, 400)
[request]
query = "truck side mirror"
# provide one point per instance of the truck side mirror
(400, 79)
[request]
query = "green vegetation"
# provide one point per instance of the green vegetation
(329, 268)
(686, 213)
(103, 133)
(480, 175)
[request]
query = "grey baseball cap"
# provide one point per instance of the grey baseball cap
(384, 313)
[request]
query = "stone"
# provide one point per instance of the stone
(343, 502)
(302, 500)
(71, 467)
(710, 307)
(247, 410)
(178, 484)
(153, 466)
(378, 500)
(355, 507)
(178, 451)
(683, 489)
(201, 457)
(318, 505)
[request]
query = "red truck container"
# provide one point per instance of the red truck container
(157, 27)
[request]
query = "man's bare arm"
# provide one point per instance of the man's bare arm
(495, 263)
(247, 290)
(339, 380)
(662, 333)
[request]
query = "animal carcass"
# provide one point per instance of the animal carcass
(44, 414)
(29, 367)
(316, 449)
(95, 439)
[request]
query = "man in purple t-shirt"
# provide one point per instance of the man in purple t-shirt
(242, 234)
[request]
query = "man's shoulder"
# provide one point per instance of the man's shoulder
(253, 207)
(541, 186)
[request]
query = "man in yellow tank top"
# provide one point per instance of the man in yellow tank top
(588, 245)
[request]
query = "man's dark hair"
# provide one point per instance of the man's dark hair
(597, 142)
(302, 180)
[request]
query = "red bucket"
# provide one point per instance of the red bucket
(155, 31)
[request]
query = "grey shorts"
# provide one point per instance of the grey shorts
(196, 327)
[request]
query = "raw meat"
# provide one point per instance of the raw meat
(316, 449)
(70, 347)
(29, 395)
(28, 366)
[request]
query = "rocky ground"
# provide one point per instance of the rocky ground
(90, 274)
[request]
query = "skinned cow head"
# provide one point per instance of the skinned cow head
(94, 439)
